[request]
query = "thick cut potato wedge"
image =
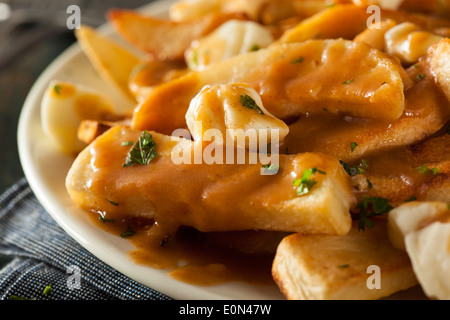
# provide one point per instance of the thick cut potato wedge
(439, 59)
(347, 20)
(292, 79)
(266, 11)
(113, 61)
(426, 112)
(217, 197)
(432, 7)
(164, 39)
(321, 267)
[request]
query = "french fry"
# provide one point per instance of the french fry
(426, 112)
(204, 196)
(162, 38)
(347, 20)
(112, 60)
(265, 11)
(321, 267)
(292, 79)
(439, 59)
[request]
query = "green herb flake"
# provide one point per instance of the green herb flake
(127, 143)
(112, 202)
(355, 170)
(305, 183)
(255, 47)
(250, 103)
(421, 76)
(413, 198)
(344, 266)
(47, 290)
(142, 152)
(353, 145)
(57, 89)
(370, 207)
(297, 60)
(103, 219)
(128, 233)
(424, 170)
(348, 81)
(193, 62)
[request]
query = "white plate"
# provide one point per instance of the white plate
(46, 168)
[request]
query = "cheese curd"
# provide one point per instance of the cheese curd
(422, 229)
(64, 106)
(408, 42)
(236, 110)
(219, 45)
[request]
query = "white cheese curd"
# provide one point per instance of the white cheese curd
(230, 39)
(64, 106)
(236, 110)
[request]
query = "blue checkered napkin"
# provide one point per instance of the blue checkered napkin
(44, 255)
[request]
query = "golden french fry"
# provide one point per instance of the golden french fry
(426, 112)
(321, 267)
(164, 39)
(204, 196)
(292, 79)
(439, 58)
(346, 21)
(112, 60)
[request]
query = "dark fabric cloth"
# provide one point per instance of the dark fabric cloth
(45, 255)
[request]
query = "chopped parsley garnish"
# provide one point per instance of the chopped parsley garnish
(57, 89)
(255, 47)
(421, 76)
(128, 233)
(370, 207)
(348, 81)
(112, 202)
(355, 170)
(305, 183)
(344, 266)
(413, 198)
(353, 145)
(424, 169)
(297, 60)
(142, 152)
(248, 102)
(271, 168)
(103, 219)
(193, 62)
(127, 143)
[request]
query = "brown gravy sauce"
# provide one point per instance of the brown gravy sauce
(198, 258)
(216, 258)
